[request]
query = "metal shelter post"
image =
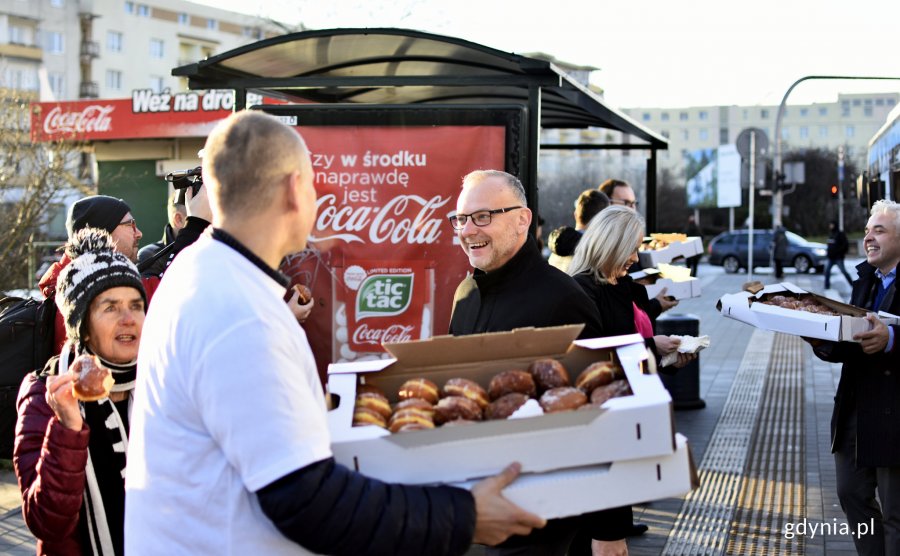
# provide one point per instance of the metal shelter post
(534, 147)
(651, 191)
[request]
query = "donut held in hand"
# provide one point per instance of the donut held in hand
(94, 380)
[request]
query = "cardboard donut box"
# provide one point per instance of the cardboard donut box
(585, 455)
(653, 281)
(748, 307)
(675, 250)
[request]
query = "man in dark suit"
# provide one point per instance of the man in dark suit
(865, 425)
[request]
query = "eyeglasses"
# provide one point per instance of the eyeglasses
(629, 204)
(480, 218)
(131, 223)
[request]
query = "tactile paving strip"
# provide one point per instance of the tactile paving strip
(704, 523)
(774, 480)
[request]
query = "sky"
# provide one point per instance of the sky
(654, 53)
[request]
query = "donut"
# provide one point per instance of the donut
(305, 294)
(512, 381)
(415, 403)
(375, 402)
(504, 406)
(614, 389)
(414, 427)
(410, 417)
(467, 389)
(365, 416)
(419, 388)
(564, 398)
(458, 422)
(548, 374)
(596, 374)
(94, 380)
(370, 388)
(456, 407)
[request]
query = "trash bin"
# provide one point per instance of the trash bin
(684, 385)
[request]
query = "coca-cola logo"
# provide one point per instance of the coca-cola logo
(391, 223)
(377, 336)
(93, 118)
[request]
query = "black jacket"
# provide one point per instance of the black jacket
(526, 291)
(870, 384)
(837, 245)
(614, 303)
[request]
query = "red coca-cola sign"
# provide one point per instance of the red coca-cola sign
(90, 119)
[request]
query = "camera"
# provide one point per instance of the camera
(182, 179)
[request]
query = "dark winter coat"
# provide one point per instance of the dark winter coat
(837, 245)
(870, 384)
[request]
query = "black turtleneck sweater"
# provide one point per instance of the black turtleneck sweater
(526, 291)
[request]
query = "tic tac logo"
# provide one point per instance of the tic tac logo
(384, 295)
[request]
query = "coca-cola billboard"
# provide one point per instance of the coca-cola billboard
(384, 195)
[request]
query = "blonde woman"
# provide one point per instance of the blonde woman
(600, 265)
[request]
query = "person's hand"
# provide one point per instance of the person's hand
(875, 340)
(684, 359)
(198, 205)
(666, 344)
(496, 518)
(665, 302)
(301, 312)
(609, 548)
(63, 403)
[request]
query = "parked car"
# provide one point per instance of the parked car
(729, 250)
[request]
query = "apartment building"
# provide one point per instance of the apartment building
(68, 49)
(851, 121)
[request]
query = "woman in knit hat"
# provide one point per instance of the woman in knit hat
(69, 455)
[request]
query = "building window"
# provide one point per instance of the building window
(57, 83)
(804, 112)
(129, 7)
(890, 101)
(114, 41)
(785, 133)
(867, 111)
(856, 102)
(823, 131)
(646, 116)
(723, 136)
(114, 79)
(211, 24)
(143, 10)
(879, 102)
(21, 79)
(704, 115)
(683, 116)
(704, 134)
(845, 112)
(665, 133)
(157, 83)
(867, 102)
(764, 113)
(804, 132)
(823, 111)
(685, 134)
(746, 113)
(17, 35)
(664, 116)
(849, 131)
(183, 19)
(156, 48)
(55, 43)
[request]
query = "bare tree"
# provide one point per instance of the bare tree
(34, 177)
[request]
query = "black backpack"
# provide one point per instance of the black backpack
(26, 344)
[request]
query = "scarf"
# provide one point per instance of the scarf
(102, 519)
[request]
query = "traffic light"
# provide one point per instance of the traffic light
(834, 191)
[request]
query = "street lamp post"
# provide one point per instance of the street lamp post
(778, 197)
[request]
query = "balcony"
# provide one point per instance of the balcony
(88, 89)
(89, 51)
(23, 51)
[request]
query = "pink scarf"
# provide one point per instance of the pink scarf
(642, 322)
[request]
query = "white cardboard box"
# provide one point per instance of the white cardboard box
(743, 306)
(682, 289)
(577, 491)
(688, 248)
(628, 427)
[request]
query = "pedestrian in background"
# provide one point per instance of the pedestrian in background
(691, 229)
(779, 251)
(837, 250)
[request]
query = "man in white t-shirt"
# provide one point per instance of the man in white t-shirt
(229, 450)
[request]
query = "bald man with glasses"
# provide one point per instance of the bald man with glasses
(512, 286)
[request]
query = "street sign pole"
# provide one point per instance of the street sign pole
(751, 193)
(841, 187)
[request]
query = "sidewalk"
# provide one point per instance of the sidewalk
(736, 384)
